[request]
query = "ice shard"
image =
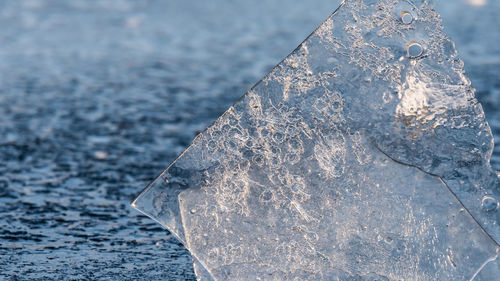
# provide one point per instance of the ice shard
(363, 155)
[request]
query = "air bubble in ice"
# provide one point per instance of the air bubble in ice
(489, 203)
(406, 17)
(266, 196)
(414, 49)
(388, 240)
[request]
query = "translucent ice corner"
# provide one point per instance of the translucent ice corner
(362, 155)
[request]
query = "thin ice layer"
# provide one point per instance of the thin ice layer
(367, 74)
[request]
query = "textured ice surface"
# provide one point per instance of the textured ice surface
(363, 154)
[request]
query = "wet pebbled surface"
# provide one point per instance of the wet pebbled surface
(97, 97)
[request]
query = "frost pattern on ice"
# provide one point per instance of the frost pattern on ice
(355, 157)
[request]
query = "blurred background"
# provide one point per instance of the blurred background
(98, 97)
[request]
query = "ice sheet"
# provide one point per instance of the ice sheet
(363, 154)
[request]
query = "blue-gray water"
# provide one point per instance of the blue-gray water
(97, 97)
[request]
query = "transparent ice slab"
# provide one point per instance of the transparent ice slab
(363, 154)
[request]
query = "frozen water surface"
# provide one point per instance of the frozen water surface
(363, 154)
(97, 97)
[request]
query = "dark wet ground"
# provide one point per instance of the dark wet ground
(97, 97)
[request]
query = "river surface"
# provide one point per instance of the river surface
(97, 97)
